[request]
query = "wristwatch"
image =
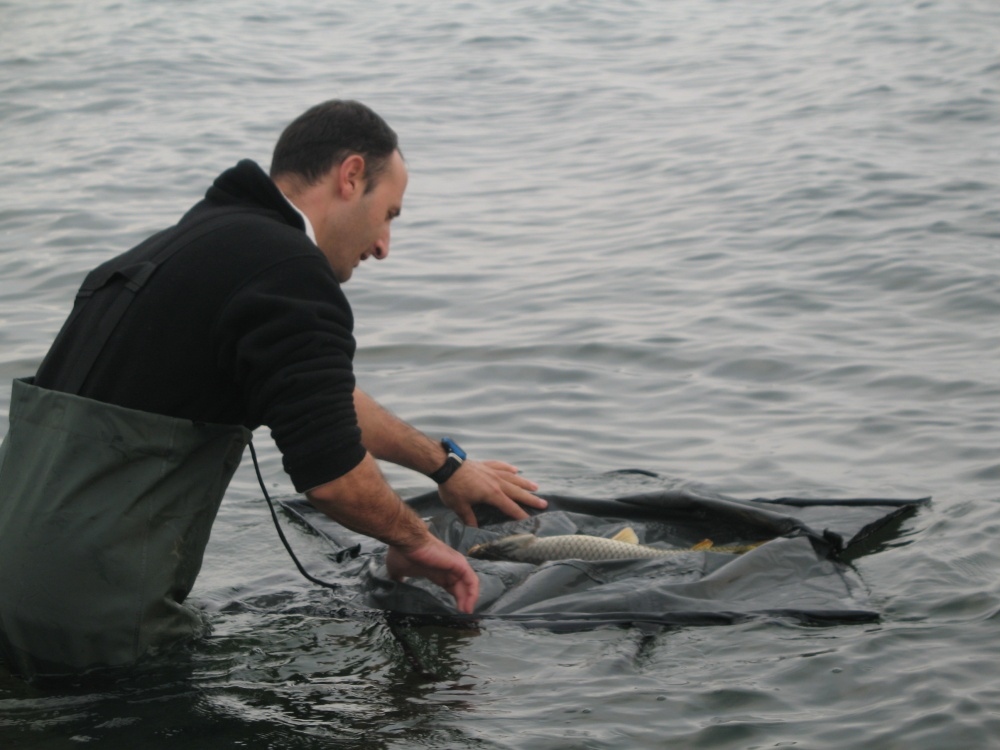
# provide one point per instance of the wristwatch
(455, 458)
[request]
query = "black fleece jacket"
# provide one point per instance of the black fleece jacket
(245, 325)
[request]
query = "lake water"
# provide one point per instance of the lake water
(755, 246)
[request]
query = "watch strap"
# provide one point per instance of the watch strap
(456, 456)
(450, 466)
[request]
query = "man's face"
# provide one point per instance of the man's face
(361, 227)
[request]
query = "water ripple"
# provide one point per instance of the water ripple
(751, 247)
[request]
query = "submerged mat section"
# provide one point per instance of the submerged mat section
(798, 572)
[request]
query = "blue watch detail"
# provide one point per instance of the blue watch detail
(456, 456)
(452, 447)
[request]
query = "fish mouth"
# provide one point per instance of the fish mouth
(484, 551)
(505, 548)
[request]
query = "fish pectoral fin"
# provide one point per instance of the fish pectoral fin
(703, 545)
(626, 535)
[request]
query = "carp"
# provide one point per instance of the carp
(624, 545)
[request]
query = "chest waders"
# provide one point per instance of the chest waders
(105, 512)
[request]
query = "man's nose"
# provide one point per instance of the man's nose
(381, 249)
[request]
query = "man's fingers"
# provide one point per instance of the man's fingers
(467, 516)
(520, 482)
(466, 592)
(501, 466)
(526, 498)
(517, 487)
(441, 564)
(491, 482)
(518, 490)
(507, 505)
(512, 475)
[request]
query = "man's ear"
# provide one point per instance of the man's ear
(351, 176)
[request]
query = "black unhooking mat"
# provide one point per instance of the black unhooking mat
(799, 572)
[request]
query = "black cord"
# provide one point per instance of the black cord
(408, 651)
(281, 534)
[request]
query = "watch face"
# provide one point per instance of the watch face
(452, 447)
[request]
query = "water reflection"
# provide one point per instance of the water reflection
(636, 236)
(273, 679)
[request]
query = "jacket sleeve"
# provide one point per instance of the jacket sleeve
(286, 337)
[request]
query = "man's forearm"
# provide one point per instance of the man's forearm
(491, 482)
(389, 438)
(363, 501)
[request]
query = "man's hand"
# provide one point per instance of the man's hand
(495, 483)
(440, 564)
(492, 482)
(363, 502)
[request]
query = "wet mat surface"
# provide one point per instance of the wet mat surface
(797, 572)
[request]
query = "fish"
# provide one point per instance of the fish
(624, 545)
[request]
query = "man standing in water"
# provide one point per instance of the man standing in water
(121, 447)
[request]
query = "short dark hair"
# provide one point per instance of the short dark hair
(326, 134)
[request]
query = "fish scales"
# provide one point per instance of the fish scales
(529, 548)
(580, 547)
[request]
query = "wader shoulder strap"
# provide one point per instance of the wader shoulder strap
(130, 277)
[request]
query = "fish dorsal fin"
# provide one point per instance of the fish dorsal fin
(626, 535)
(703, 545)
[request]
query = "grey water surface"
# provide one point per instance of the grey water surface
(748, 245)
